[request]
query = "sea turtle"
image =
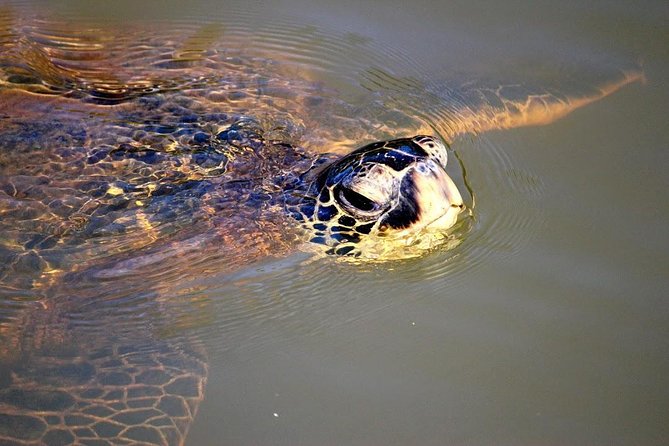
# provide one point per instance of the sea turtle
(123, 179)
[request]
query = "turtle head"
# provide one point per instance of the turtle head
(383, 199)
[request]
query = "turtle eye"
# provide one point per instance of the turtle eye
(357, 200)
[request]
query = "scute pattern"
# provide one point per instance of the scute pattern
(134, 176)
(152, 398)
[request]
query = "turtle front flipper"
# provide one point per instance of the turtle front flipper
(479, 106)
(118, 393)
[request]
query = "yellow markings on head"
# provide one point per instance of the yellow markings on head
(397, 245)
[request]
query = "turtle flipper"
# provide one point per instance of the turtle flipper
(117, 394)
(502, 106)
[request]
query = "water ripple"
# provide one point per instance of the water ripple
(327, 91)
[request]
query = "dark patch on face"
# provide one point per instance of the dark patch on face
(319, 240)
(323, 175)
(395, 160)
(297, 216)
(325, 195)
(320, 227)
(397, 154)
(406, 145)
(366, 228)
(308, 209)
(345, 220)
(326, 213)
(346, 237)
(411, 148)
(406, 213)
(344, 250)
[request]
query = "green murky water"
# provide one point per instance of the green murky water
(547, 324)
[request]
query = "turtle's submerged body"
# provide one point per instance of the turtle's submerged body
(179, 163)
(141, 183)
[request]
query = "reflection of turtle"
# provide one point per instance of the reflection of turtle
(204, 169)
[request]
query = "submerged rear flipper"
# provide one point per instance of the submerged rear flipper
(114, 394)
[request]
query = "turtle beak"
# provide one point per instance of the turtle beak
(437, 196)
(451, 192)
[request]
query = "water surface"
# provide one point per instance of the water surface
(546, 324)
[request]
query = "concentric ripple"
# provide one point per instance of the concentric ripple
(161, 103)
